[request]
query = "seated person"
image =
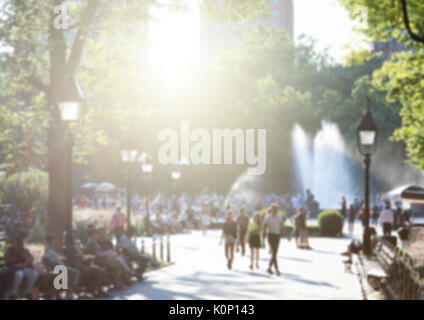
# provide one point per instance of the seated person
(355, 246)
(106, 257)
(130, 250)
(51, 259)
(20, 261)
(6, 274)
(92, 275)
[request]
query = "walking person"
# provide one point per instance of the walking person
(273, 226)
(351, 219)
(229, 235)
(301, 231)
(242, 223)
(254, 240)
(397, 213)
(387, 220)
(205, 218)
(343, 209)
(375, 214)
(118, 220)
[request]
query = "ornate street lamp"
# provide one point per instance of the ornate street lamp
(70, 101)
(176, 174)
(129, 157)
(146, 163)
(70, 108)
(70, 105)
(367, 133)
(147, 169)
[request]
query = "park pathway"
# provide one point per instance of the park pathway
(200, 272)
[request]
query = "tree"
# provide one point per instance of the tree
(401, 76)
(41, 55)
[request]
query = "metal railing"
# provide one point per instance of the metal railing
(159, 254)
(403, 279)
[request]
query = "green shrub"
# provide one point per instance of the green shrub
(330, 223)
(26, 192)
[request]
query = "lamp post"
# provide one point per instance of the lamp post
(367, 143)
(147, 169)
(70, 108)
(128, 156)
(176, 176)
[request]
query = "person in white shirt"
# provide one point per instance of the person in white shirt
(205, 218)
(387, 220)
(273, 224)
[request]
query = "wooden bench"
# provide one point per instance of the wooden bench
(386, 256)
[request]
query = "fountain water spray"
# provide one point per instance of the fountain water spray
(322, 164)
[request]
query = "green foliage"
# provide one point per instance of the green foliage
(266, 81)
(384, 19)
(26, 192)
(330, 223)
(401, 76)
(233, 10)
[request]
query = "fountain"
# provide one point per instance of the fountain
(322, 165)
(246, 187)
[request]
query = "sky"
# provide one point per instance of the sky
(175, 36)
(328, 23)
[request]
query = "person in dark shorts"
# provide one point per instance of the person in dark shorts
(255, 240)
(351, 218)
(375, 214)
(229, 234)
(300, 229)
(242, 223)
(273, 227)
(343, 209)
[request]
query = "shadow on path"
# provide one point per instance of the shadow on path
(295, 277)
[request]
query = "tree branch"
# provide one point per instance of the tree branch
(81, 36)
(407, 23)
(34, 80)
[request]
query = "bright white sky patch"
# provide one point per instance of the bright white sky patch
(175, 36)
(328, 23)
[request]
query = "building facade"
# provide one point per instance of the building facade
(218, 37)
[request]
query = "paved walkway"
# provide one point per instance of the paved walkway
(200, 272)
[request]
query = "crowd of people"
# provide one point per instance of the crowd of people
(382, 216)
(381, 213)
(269, 226)
(96, 260)
(175, 213)
(101, 257)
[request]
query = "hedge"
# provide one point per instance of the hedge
(330, 223)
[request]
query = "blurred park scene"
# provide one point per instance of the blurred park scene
(129, 130)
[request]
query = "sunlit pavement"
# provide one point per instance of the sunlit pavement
(200, 272)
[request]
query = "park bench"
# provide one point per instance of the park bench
(401, 281)
(3, 239)
(375, 271)
(381, 274)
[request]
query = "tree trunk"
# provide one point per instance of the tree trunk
(57, 182)
(56, 139)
